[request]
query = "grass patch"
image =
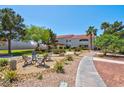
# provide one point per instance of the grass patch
(18, 52)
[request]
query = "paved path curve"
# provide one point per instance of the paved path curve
(87, 76)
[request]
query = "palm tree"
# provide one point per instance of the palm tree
(92, 31)
(116, 28)
(105, 25)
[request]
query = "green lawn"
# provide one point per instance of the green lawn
(18, 52)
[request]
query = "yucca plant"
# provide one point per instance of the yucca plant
(59, 67)
(69, 58)
(66, 62)
(10, 76)
(40, 77)
(3, 62)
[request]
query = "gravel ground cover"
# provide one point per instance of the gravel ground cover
(50, 78)
(112, 74)
(53, 79)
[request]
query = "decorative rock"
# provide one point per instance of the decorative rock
(63, 84)
(12, 64)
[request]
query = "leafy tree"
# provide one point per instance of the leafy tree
(117, 30)
(121, 45)
(37, 34)
(52, 39)
(45, 36)
(11, 26)
(92, 31)
(107, 43)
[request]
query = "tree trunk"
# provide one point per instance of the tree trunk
(91, 41)
(9, 43)
(49, 48)
(37, 48)
(9, 46)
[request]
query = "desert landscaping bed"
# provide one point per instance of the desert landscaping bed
(111, 73)
(53, 79)
(28, 76)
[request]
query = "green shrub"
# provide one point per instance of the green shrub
(58, 51)
(77, 49)
(62, 50)
(55, 51)
(39, 52)
(69, 58)
(59, 67)
(45, 54)
(2, 69)
(66, 62)
(69, 49)
(3, 62)
(40, 77)
(10, 76)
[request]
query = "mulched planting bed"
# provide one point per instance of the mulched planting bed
(112, 74)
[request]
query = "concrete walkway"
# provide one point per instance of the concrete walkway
(108, 60)
(87, 75)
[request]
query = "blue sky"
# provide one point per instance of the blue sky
(69, 19)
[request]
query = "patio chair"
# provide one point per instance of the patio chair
(34, 58)
(41, 61)
(27, 60)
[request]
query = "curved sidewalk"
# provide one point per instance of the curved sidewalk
(87, 76)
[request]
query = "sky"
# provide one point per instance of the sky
(69, 19)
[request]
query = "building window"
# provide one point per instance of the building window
(83, 40)
(66, 40)
(83, 46)
(86, 46)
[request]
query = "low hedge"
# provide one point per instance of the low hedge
(58, 51)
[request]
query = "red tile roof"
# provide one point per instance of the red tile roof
(74, 36)
(65, 36)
